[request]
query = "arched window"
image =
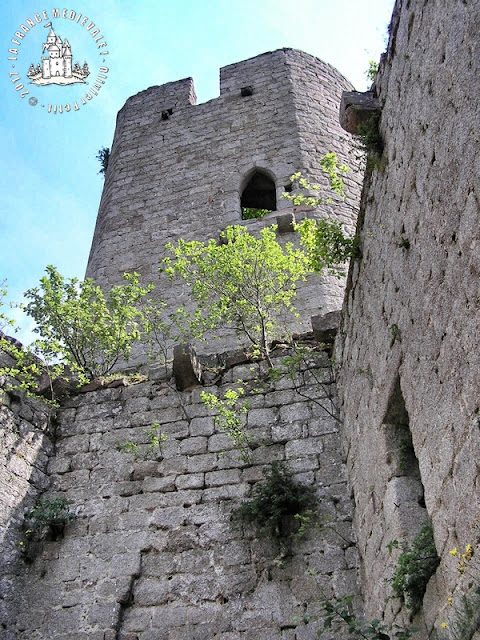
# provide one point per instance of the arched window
(259, 196)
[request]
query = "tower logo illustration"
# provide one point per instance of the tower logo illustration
(42, 66)
(57, 64)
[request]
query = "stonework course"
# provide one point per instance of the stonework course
(155, 551)
(26, 437)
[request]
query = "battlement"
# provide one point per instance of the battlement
(254, 72)
(164, 97)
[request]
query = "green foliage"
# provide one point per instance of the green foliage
(80, 326)
(333, 171)
(305, 521)
(103, 156)
(162, 330)
(243, 283)
(25, 368)
(303, 358)
(130, 378)
(396, 335)
(230, 418)
(463, 611)
(404, 243)
(338, 616)
(465, 616)
(249, 213)
(45, 521)
(393, 544)
(127, 446)
(415, 567)
(371, 72)
(50, 513)
(155, 441)
(20, 364)
(327, 247)
(276, 503)
(369, 137)
(4, 320)
(155, 437)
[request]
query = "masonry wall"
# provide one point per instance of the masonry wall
(154, 553)
(177, 169)
(25, 446)
(409, 343)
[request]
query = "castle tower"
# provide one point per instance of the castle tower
(46, 68)
(51, 38)
(67, 59)
(182, 170)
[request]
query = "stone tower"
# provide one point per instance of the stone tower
(182, 170)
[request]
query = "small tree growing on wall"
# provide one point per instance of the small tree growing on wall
(243, 283)
(103, 156)
(81, 326)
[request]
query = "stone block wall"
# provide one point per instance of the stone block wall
(409, 345)
(26, 442)
(154, 553)
(177, 169)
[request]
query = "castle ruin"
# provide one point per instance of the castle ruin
(153, 553)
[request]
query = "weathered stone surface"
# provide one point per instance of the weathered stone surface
(200, 159)
(410, 330)
(154, 554)
(285, 223)
(118, 382)
(157, 535)
(25, 447)
(93, 386)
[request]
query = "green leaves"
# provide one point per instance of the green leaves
(229, 416)
(18, 362)
(277, 502)
(46, 513)
(333, 171)
(371, 71)
(415, 567)
(82, 327)
(250, 213)
(339, 616)
(156, 439)
(327, 247)
(103, 156)
(242, 283)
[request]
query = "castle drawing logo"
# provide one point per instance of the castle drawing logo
(44, 70)
(57, 66)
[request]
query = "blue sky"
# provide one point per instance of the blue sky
(49, 174)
